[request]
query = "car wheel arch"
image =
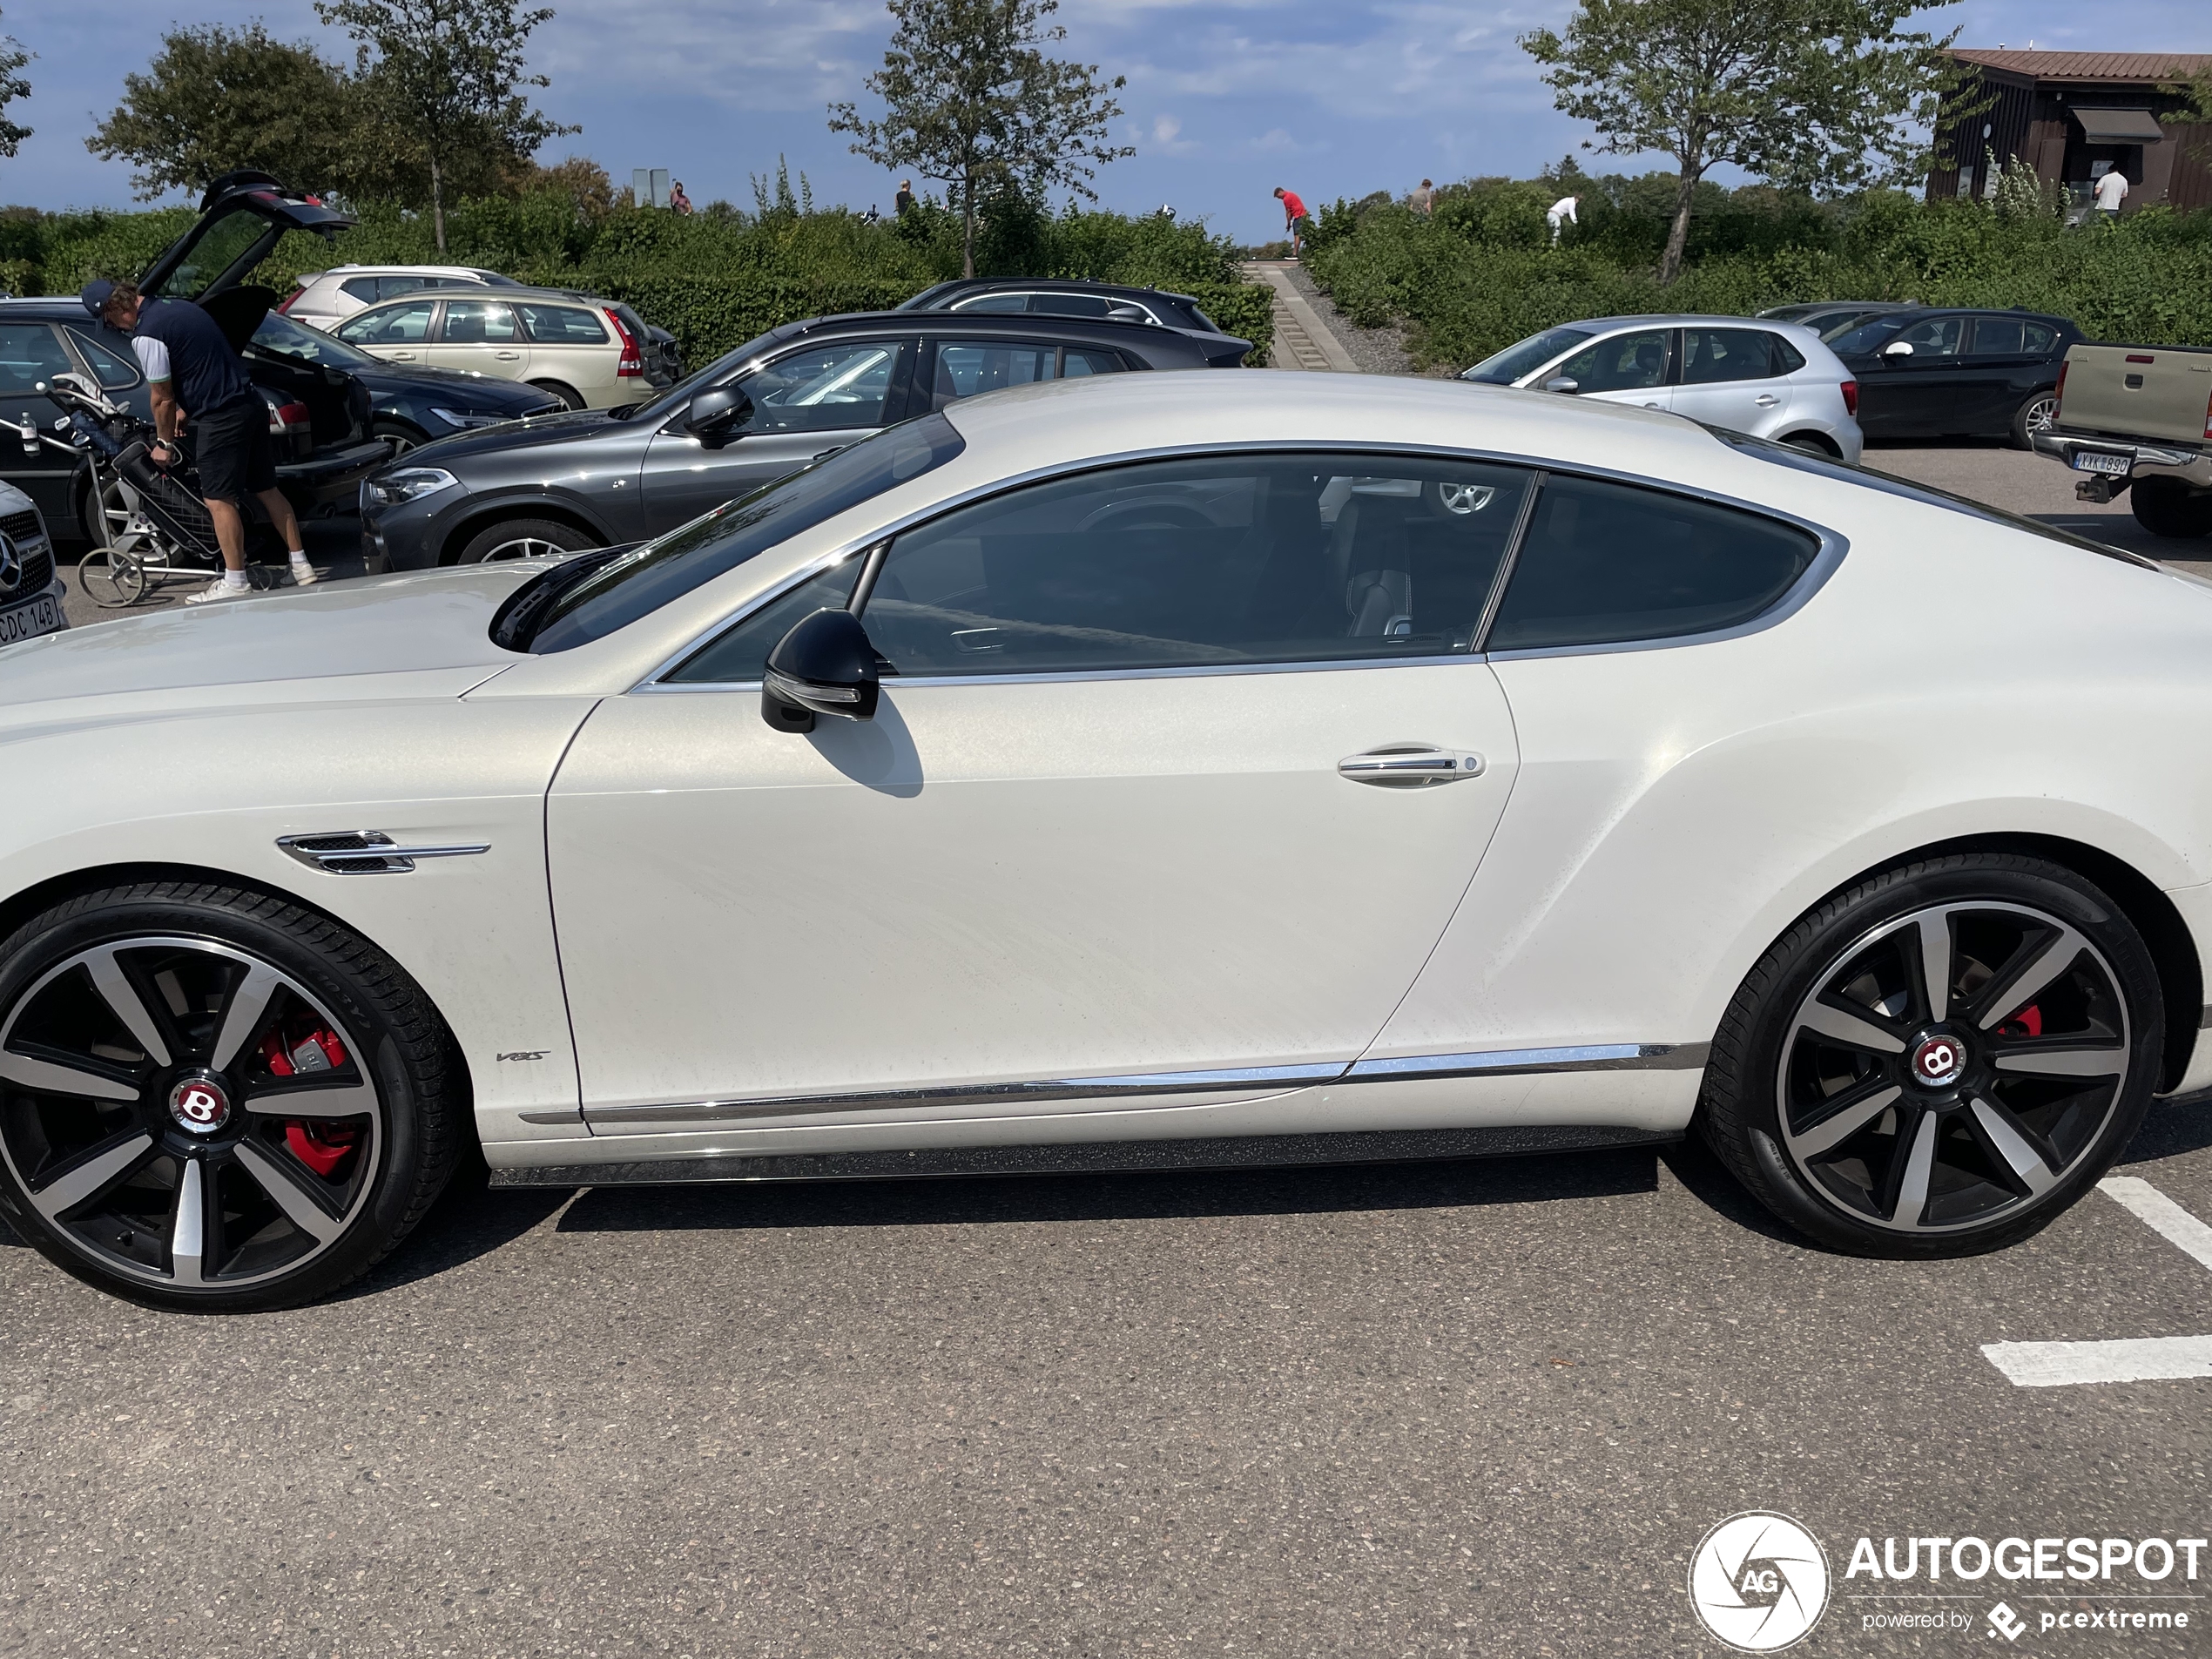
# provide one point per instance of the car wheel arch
(467, 529)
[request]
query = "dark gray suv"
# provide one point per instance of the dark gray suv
(597, 477)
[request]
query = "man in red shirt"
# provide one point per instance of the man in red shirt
(1293, 216)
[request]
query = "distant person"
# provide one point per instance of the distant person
(1166, 211)
(871, 216)
(905, 199)
(2112, 189)
(1293, 217)
(1424, 200)
(676, 200)
(192, 371)
(1561, 213)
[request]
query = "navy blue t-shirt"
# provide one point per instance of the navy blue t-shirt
(203, 369)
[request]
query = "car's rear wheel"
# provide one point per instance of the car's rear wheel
(2038, 414)
(1939, 1061)
(570, 398)
(525, 538)
(2168, 507)
(1813, 444)
(212, 1099)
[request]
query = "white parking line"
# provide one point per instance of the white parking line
(2047, 1365)
(2051, 1365)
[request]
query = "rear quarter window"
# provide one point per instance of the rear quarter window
(563, 324)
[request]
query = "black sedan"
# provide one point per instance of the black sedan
(409, 404)
(599, 477)
(1956, 373)
(1046, 297)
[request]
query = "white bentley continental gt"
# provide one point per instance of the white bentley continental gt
(1158, 770)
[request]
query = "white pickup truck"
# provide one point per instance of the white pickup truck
(2139, 419)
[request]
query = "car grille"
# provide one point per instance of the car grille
(37, 554)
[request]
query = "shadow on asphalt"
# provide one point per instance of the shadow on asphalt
(971, 1200)
(2173, 1127)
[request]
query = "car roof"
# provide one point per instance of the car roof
(505, 296)
(1001, 323)
(1677, 319)
(1049, 285)
(400, 270)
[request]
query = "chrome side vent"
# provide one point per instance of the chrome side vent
(367, 853)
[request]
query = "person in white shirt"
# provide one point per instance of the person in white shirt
(2112, 189)
(1561, 212)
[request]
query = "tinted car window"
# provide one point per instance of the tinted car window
(1530, 354)
(477, 322)
(362, 288)
(278, 332)
(1619, 363)
(29, 354)
(1937, 337)
(1866, 336)
(964, 370)
(1788, 359)
(113, 370)
(1709, 356)
(1076, 305)
(2013, 337)
(825, 387)
(1605, 563)
(1190, 563)
(1074, 363)
(563, 324)
(401, 324)
(996, 303)
(647, 578)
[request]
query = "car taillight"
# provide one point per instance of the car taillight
(2208, 417)
(1851, 399)
(286, 418)
(284, 306)
(633, 358)
(2058, 397)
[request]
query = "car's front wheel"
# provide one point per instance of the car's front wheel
(525, 538)
(212, 1099)
(1939, 1061)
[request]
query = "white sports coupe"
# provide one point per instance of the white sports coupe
(1157, 770)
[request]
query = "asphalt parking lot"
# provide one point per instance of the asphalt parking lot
(1458, 1408)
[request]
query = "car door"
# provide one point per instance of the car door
(32, 354)
(809, 401)
(481, 337)
(1632, 367)
(1729, 379)
(953, 369)
(398, 333)
(1916, 393)
(571, 345)
(2009, 360)
(1180, 768)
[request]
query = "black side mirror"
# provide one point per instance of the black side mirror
(717, 415)
(824, 665)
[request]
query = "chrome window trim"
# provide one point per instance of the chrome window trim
(1833, 548)
(1618, 1056)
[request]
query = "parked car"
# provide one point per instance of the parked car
(2138, 419)
(1771, 380)
(409, 404)
(1201, 769)
(765, 409)
(589, 354)
(1046, 297)
(1832, 317)
(30, 580)
(1957, 373)
(324, 299)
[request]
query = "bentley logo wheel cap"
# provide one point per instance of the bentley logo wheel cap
(1939, 1062)
(199, 1103)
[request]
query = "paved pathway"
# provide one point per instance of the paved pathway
(1302, 340)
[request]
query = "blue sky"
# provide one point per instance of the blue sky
(1225, 99)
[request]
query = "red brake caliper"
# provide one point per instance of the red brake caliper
(316, 1141)
(2028, 1022)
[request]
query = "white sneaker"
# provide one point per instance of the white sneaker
(304, 575)
(219, 588)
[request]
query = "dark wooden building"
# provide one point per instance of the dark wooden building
(2064, 113)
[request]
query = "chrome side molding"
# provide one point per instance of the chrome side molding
(367, 851)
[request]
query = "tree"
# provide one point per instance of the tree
(445, 75)
(13, 57)
(2198, 90)
(215, 99)
(1815, 95)
(972, 102)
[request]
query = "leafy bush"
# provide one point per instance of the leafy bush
(1482, 273)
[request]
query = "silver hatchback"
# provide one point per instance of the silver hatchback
(1770, 379)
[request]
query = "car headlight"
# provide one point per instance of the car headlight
(409, 484)
(457, 418)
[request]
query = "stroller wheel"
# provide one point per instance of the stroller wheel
(112, 578)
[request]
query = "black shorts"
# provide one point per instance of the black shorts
(231, 448)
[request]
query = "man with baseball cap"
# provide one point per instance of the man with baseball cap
(192, 372)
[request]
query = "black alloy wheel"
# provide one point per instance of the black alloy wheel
(212, 1099)
(569, 398)
(1940, 1060)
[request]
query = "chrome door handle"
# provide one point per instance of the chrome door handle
(1766, 400)
(1410, 766)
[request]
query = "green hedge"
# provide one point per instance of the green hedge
(1481, 274)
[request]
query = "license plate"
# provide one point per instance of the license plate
(40, 616)
(2100, 461)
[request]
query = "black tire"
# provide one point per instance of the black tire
(2038, 412)
(1873, 1150)
(233, 994)
(1813, 444)
(401, 436)
(570, 396)
(524, 538)
(2168, 507)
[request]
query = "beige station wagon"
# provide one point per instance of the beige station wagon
(588, 353)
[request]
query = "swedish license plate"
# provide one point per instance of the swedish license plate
(2102, 460)
(40, 616)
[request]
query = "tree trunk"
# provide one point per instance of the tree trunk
(437, 204)
(967, 226)
(1678, 232)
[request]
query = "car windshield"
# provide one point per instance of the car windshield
(1866, 336)
(676, 396)
(1534, 353)
(278, 332)
(647, 578)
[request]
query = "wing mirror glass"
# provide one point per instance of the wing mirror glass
(1562, 383)
(719, 415)
(1898, 348)
(824, 665)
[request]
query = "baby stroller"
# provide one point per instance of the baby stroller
(156, 523)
